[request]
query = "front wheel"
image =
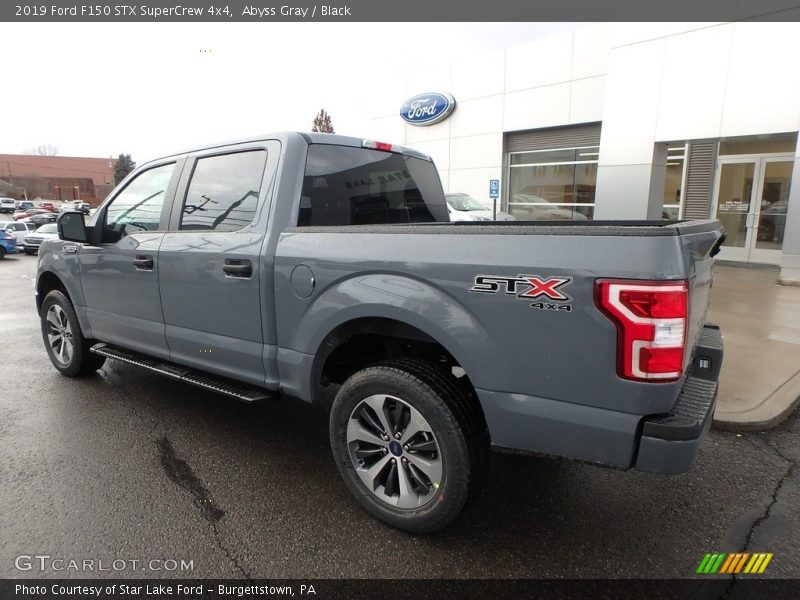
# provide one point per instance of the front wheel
(67, 348)
(407, 444)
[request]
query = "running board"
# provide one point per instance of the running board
(208, 381)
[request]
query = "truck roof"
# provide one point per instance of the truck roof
(309, 137)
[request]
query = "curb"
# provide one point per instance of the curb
(769, 413)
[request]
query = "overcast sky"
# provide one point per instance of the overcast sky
(148, 90)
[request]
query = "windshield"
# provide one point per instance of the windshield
(464, 202)
(51, 228)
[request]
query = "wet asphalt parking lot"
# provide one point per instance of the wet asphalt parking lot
(130, 465)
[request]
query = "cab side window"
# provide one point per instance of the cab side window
(223, 193)
(138, 207)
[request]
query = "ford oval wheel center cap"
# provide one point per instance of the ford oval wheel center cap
(395, 448)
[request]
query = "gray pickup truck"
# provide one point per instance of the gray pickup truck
(276, 265)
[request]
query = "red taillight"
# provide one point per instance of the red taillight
(651, 319)
(377, 145)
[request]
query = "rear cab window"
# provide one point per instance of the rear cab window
(223, 192)
(344, 185)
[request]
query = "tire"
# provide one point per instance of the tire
(2, 253)
(67, 348)
(392, 470)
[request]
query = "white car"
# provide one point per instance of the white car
(17, 229)
(32, 241)
(8, 205)
(531, 207)
(463, 207)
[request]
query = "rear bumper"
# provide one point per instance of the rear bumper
(658, 444)
(669, 443)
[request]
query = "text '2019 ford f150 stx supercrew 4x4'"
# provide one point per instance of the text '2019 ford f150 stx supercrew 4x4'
(273, 265)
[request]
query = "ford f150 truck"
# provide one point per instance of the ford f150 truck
(273, 266)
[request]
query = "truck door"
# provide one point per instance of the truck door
(119, 276)
(215, 275)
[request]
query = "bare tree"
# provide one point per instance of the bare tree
(42, 150)
(35, 186)
(322, 122)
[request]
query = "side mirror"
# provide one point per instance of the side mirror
(72, 228)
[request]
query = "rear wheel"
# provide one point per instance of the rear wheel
(2, 252)
(67, 348)
(407, 445)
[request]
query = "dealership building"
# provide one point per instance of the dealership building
(626, 121)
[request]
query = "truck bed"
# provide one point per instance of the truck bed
(593, 228)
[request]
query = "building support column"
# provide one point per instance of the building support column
(790, 259)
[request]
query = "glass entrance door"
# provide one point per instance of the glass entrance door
(770, 219)
(751, 200)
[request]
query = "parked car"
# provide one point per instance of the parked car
(32, 241)
(7, 205)
(530, 207)
(24, 214)
(48, 206)
(17, 228)
(23, 205)
(258, 290)
(41, 219)
(75, 205)
(8, 243)
(463, 207)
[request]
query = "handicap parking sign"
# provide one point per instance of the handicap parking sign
(494, 188)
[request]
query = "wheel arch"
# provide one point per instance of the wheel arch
(359, 342)
(49, 280)
(46, 283)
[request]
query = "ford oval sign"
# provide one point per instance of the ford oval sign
(427, 109)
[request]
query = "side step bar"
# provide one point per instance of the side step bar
(209, 381)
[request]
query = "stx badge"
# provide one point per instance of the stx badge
(549, 291)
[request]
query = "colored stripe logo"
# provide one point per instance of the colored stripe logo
(734, 563)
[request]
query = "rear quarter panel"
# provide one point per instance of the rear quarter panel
(504, 345)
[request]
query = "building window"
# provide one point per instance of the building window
(674, 183)
(553, 185)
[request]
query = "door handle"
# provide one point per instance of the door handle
(238, 268)
(143, 263)
(751, 218)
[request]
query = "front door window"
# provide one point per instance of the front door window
(138, 207)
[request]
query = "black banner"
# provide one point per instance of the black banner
(189, 11)
(399, 589)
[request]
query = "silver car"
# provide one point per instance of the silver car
(32, 241)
